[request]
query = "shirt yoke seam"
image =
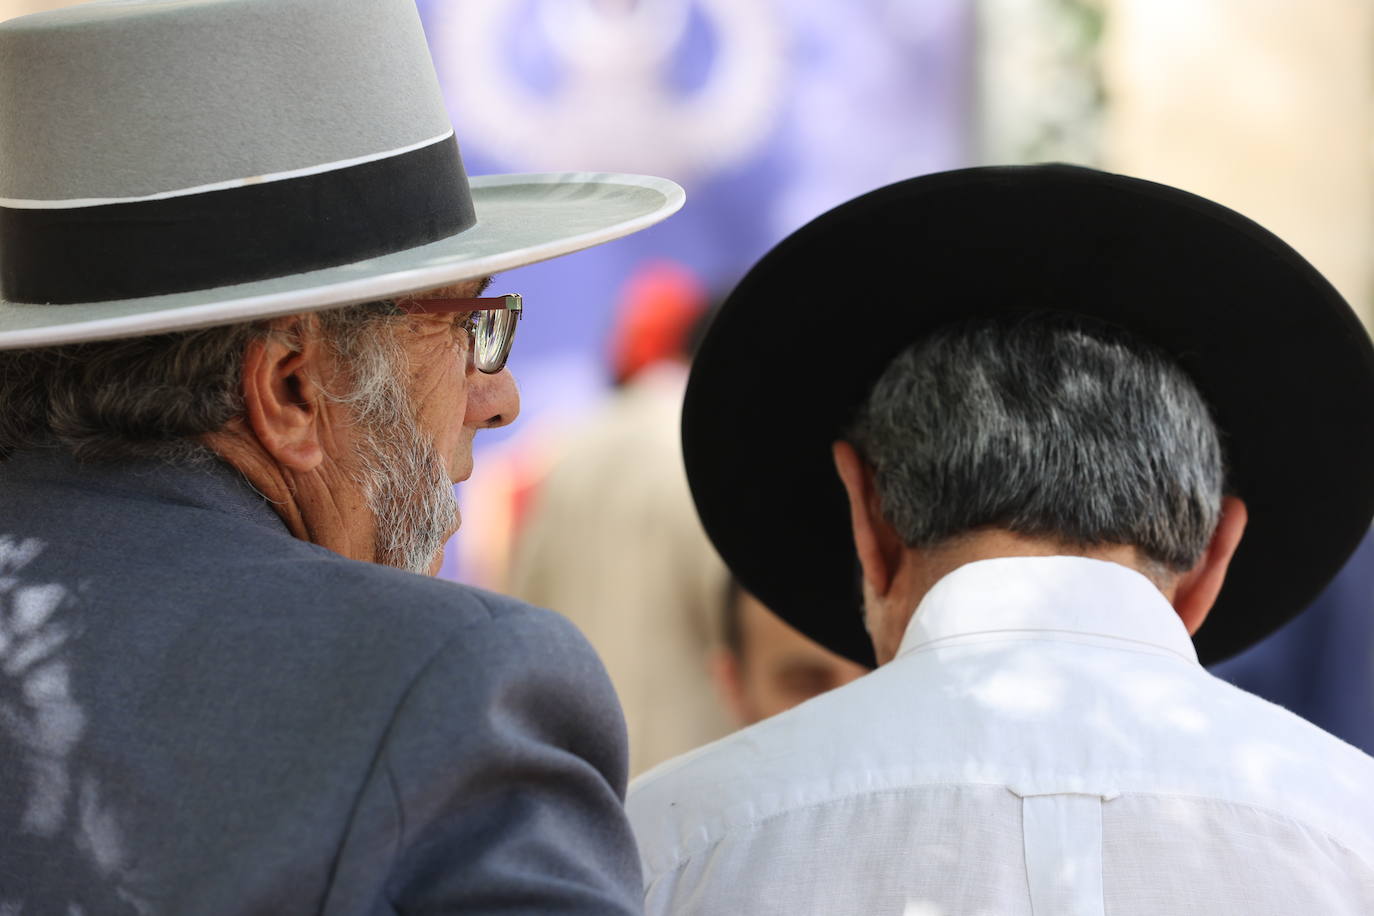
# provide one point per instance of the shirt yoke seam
(1266, 810)
(680, 862)
(751, 825)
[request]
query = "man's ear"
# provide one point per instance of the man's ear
(1197, 589)
(281, 396)
(879, 547)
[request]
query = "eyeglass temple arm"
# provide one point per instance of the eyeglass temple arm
(512, 302)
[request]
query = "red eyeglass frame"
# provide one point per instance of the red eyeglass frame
(512, 302)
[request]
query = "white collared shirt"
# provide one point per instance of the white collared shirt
(1044, 743)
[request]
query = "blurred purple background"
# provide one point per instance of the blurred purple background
(767, 113)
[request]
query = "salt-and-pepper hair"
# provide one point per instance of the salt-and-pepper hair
(1048, 427)
(156, 397)
(401, 473)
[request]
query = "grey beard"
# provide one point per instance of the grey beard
(409, 492)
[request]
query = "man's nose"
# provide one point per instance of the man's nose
(494, 400)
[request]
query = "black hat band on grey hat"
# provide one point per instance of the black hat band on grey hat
(250, 231)
(175, 164)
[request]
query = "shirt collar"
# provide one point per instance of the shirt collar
(1031, 597)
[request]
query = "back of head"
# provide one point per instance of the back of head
(1276, 354)
(1049, 427)
(158, 396)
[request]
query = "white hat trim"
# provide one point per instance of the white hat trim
(23, 204)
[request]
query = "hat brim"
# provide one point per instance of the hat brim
(521, 219)
(1282, 360)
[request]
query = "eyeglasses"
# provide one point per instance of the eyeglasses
(492, 328)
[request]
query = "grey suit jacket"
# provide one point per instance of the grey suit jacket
(201, 714)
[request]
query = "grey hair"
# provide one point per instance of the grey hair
(154, 396)
(1048, 427)
(403, 478)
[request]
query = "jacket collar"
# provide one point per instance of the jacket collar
(1061, 598)
(209, 484)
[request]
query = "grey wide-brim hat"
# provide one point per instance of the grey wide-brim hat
(173, 164)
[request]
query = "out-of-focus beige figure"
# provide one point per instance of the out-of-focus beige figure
(611, 538)
(765, 667)
(11, 8)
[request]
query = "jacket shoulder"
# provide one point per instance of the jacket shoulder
(509, 739)
(324, 583)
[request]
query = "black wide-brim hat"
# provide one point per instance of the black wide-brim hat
(1283, 362)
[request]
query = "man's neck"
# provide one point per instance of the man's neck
(321, 506)
(921, 568)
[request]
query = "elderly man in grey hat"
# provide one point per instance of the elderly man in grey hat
(243, 357)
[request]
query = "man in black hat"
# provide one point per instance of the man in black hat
(1074, 417)
(244, 352)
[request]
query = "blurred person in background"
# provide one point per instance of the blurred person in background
(610, 537)
(243, 356)
(763, 666)
(1113, 431)
(754, 107)
(1321, 665)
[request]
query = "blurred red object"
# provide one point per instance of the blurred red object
(659, 306)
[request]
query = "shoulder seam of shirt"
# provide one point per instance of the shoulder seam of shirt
(1366, 860)
(678, 862)
(682, 861)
